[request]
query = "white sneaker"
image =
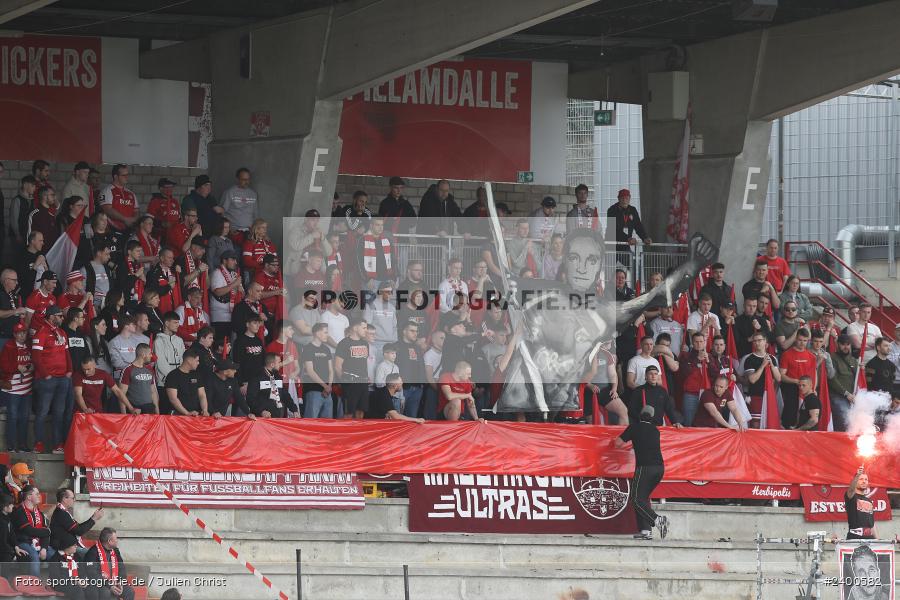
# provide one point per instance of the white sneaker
(662, 523)
(643, 535)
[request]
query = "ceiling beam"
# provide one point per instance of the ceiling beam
(13, 9)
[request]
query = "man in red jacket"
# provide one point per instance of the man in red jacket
(52, 381)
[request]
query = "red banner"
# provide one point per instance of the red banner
(125, 486)
(718, 489)
(826, 503)
(50, 97)
(519, 504)
(467, 119)
(382, 446)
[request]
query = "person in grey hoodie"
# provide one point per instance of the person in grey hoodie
(240, 202)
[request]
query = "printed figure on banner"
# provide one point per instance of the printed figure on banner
(866, 570)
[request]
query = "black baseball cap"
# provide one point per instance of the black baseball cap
(396, 181)
(312, 213)
(224, 364)
(844, 339)
(199, 240)
(728, 304)
(229, 254)
(268, 259)
(549, 201)
(81, 165)
(48, 276)
(53, 310)
(201, 180)
(164, 181)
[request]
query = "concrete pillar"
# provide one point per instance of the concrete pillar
(301, 69)
(738, 85)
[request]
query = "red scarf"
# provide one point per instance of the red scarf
(825, 413)
(72, 566)
(149, 245)
(334, 260)
(370, 255)
(193, 322)
(37, 520)
(234, 296)
(137, 292)
(109, 566)
(773, 420)
(200, 282)
(168, 302)
(257, 307)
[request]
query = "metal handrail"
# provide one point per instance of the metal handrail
(881, 296)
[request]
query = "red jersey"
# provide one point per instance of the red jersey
(176, 236)
(704, 419)
(12, 357)
(271, 283)
(166, 210)
(778, 271)
(255, 251)
(50, 348)
(37, 304)
(693, 373)
(92, 387)
(122, 200)
(798, 363)
(67, 300)
(457, 387)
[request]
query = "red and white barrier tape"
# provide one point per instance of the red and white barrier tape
(199, 522)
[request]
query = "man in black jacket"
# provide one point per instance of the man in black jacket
(63, 523)
(653, 394)
(627, 222)
(32, 529)
(248, 350)
(9, 545)
(438, 211)
(267, 395)
(399, 214)
(224, 391)
(108, 559)
(68, 576)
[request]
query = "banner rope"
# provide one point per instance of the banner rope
(197, 521)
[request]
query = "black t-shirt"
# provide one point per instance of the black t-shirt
(644, 437)
(807, 405)
(221, 393)
(248, 353)
(320, 357)
(187, 386)
(860, 512)
(355, 354)
(880, 373)
(753, 362)
(743, 330)
(410, 364)
(381, 404)
(720, 294)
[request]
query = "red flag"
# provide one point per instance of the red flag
(825, 423)
(860, 369)
(682, 311)
(677, 229)
(770, 402)
(61, 255)
(531, 264)
(663, 377)
(641, 333)
(730, 344)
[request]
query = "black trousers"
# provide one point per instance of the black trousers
(645, 481)
(790, 394)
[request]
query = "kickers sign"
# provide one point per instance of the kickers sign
(467, 119)
(50, 97)
(826, 503)
(519, 504)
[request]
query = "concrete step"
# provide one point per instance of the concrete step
(606, 553)
(390, 515)
(438, 583)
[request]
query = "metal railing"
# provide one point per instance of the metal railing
(640, 262)
(879, 309)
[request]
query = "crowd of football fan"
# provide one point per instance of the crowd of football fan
(185, 309)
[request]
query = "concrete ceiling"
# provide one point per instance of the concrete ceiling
(606, 32)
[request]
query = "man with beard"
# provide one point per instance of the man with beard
(859, 508)
(842, 385)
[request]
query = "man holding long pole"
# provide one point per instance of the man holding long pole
(648, 472)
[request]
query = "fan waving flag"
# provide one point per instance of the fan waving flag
(61, 256)
(677, 229)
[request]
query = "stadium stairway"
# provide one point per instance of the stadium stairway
(357, 555)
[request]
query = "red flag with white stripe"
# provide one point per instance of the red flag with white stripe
(860, 368)
(677, 229)
(61, 256)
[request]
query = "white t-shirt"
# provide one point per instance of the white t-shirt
(219, 312)
(337, 324)
(872, 333)
(695, 322)
(433, 359)
(638, 366)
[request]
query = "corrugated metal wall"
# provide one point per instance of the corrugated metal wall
(839, 165)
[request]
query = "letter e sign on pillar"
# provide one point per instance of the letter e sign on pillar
(317, 168)
(748, 187)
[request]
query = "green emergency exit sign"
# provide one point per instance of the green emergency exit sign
(604, 117)
(525, 177)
